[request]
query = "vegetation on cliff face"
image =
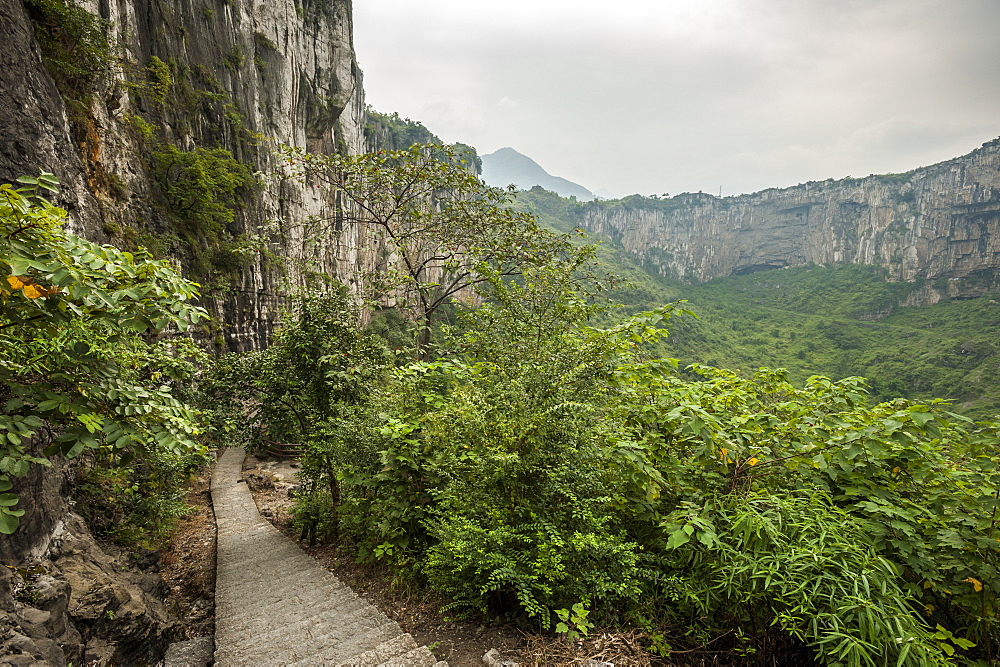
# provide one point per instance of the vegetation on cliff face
(391, 132)
(74, 44)
(837, 320)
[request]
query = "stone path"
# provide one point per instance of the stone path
(274, 605)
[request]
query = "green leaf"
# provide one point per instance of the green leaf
(9, 521)
(678, 538)
(19, 266)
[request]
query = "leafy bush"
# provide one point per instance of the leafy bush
(917, 482)
(798, 562)
(136, 503)
(71, 315)
(201, 184)
(310, 387)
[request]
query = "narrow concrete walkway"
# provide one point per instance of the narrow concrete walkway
(274, 605)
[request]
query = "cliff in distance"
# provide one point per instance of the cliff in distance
(939, 223)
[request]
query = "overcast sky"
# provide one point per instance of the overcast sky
(655, 96)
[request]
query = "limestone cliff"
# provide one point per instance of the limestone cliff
(193, 75)
(940, 223)
(121, 111)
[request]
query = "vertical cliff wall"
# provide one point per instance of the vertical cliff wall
(142, 119)
(181, 80)
(941, 223)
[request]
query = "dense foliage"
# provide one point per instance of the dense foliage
(74, 44)
(77, 375)
(545, 470)
(846, 321)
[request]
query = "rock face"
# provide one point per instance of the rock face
(182, 76)
(78, 605)
(63, 599)
(245, 77)
(33, 121)
(941, 223)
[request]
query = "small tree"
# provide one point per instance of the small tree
(310, 386)
(442, 231)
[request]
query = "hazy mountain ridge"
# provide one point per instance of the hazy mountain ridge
(506, 166)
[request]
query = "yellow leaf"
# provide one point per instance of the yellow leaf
(896, 469)
(976, 584)
(927, 584)
(753, 461)
(34, 291)
(723, 452)
(15, 282)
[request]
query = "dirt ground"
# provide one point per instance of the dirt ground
(187, 564)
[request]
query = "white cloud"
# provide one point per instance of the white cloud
(671, 95)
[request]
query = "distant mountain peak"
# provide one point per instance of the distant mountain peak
(506, 166)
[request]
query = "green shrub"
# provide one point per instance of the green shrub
(72, 315)
(137, 504)
(201, 185)
(74, 43)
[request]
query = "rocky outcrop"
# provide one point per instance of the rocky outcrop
(940, 223)
(80, 605)
(65, 599)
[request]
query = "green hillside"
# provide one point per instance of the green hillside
(836, 321)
